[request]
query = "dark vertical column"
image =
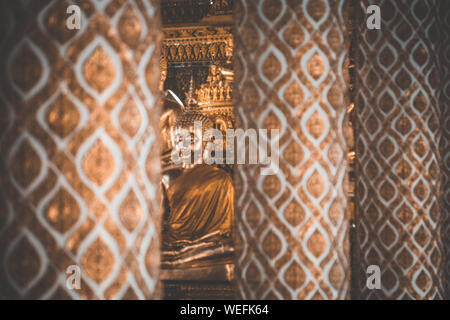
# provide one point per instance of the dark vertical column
(444, 25)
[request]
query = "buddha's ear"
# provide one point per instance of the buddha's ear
(221, 124)
(166, 118)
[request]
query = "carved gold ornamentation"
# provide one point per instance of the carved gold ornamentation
(218, 90)
(197, 44)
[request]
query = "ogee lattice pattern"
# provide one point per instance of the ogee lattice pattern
(80, 159)
(292, 227)
(398, 214)
(444, 19)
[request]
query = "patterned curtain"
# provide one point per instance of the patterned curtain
(293, 227)
(399, 218)
(79, 151)
(444, 26)
(80, 166)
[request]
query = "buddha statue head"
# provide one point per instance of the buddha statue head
(191, 131)
(198, 125)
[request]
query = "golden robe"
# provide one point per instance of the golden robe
(201, 204)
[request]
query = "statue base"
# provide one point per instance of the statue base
(202, 283)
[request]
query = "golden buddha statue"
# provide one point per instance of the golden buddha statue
(198, 198)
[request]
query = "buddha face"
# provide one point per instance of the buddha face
(196, 145)
(188, 145)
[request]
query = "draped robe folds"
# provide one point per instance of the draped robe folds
(201, 214)
(201, 205)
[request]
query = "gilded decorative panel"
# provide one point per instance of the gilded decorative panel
(79, 150)
(197, 45)
(397, 125)
(291, 74)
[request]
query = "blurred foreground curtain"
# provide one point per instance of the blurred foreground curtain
(292, 227)
(80, 159)
(399, 217)
(444, 25)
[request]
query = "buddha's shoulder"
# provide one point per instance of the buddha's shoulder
(211, 171)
